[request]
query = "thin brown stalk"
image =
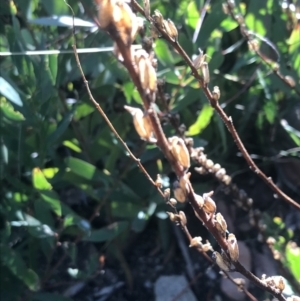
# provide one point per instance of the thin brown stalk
(226, 119)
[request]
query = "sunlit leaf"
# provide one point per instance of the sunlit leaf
(39, 180)
(202, 121)
(8, 91)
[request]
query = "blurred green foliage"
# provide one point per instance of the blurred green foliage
(60, 164)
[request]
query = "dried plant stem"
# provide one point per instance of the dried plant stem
(226, 119)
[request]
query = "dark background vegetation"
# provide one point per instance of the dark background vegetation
(74, 207)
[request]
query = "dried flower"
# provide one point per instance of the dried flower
(221, 224)
(225, 8)
(253, 45)
(180, 151)
(221, 173)
(184, 182)
(158, 18)
(216, 167)
(216, 93)
(158, 181)
(142, 124)
(209, 164)
(219, 260)
(174, 217)
(106, 10)
(233, 247)
(199, 60)
(226, 180)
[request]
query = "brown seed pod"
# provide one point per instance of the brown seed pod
(180, 151)
(290, 81)
(167, 193)
(179, 193)
(205, 73)
(141, 123)
(158, 181)
(158, 18)
(171, 29)
(209, 204)
(173, 202)
(219, 260)
(221, 224)
(147, 8)
(199, 60)
(216, 93)
(174, 217)
(182, 218)
(226, 180)
(199, 200)
(196, 242)
(233, 247)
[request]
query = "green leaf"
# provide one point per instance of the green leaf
(270, 110)
(52, 199)
(8, 91)
(14, 262)
(163, 53)
(72, 146)
(9, 111)
(192, 15)
(85, 169)
(202, 121)
(39, 180)
(107, 233)
(293, 258)
(255, 24)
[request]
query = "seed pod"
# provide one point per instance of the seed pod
(173, 202)
(279, 283)
(233, 247)
(142, 124)
(105, 12)
(200, 170)
(221, 173)
(199, 200)
(226, 180)
(182, 218)
(219, 260)
(216, 167)
(158, 18)
(158, 181)
(207, 247)
(174, 217)
(167, 193)
(209, 164)
(180, 151)
(196, 242)
(147, 8)
(179, 193)
(216, 93)
(151, 74)
(209, 204)
(199, 60)
(225, 8)
(184, 182)
(253, 45)
(171, 29)
(205, 73)
(137, 26)
(221, 224)
(290, 81)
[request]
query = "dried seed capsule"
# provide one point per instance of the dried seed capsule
(147, 8)
(158, 181)
(225, 8)
(184, 182)
(158, 18)
(180, 151)
(219, 260)
(173, 202)
(171, 29)
(221, 224)
(199, 60)
(141, 123)
(216, 93)
(205, 73)
(199, 200)
(167, 193)
(233, 247)
(105, 12)
(207, 247)
(200, 170)
(226, 180)
(253, 45)
(179, 193)
(209, 204)
(209, 164)
(174, 217)
(221, 173)
(216, 167)
(182, 218)
(290, 81)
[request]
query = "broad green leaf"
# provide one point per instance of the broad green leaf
(14, 262)
(9, 111)
(293, 258)
(228, 24)
(163, 53)
(192, 15)
(270, 110)
(202, 121)
(39, 180)
(52, 199)
(8, 91)
(86, 170)
(107, 233)
(72, 146)
(255, 24)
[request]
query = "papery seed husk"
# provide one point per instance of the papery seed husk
(221, 173)
(173, 202)
(216, 93)
(225, 8)
(158, 18)
(205, 73)
(151, 74)
(105, 12)
(253, 45)
(136, 27)
(218, 259)
(180, 151)
(180, 195)
(200, 170)
(158, 181)
(220, 220)
(226, 180)
(233, 247)
(173, 33)
(209, 205)
(207, 247)
(147, 8)
(199, 60)
(199, 200)
(216, 167)
(209, 164)
(167, 193)
(290, 81)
